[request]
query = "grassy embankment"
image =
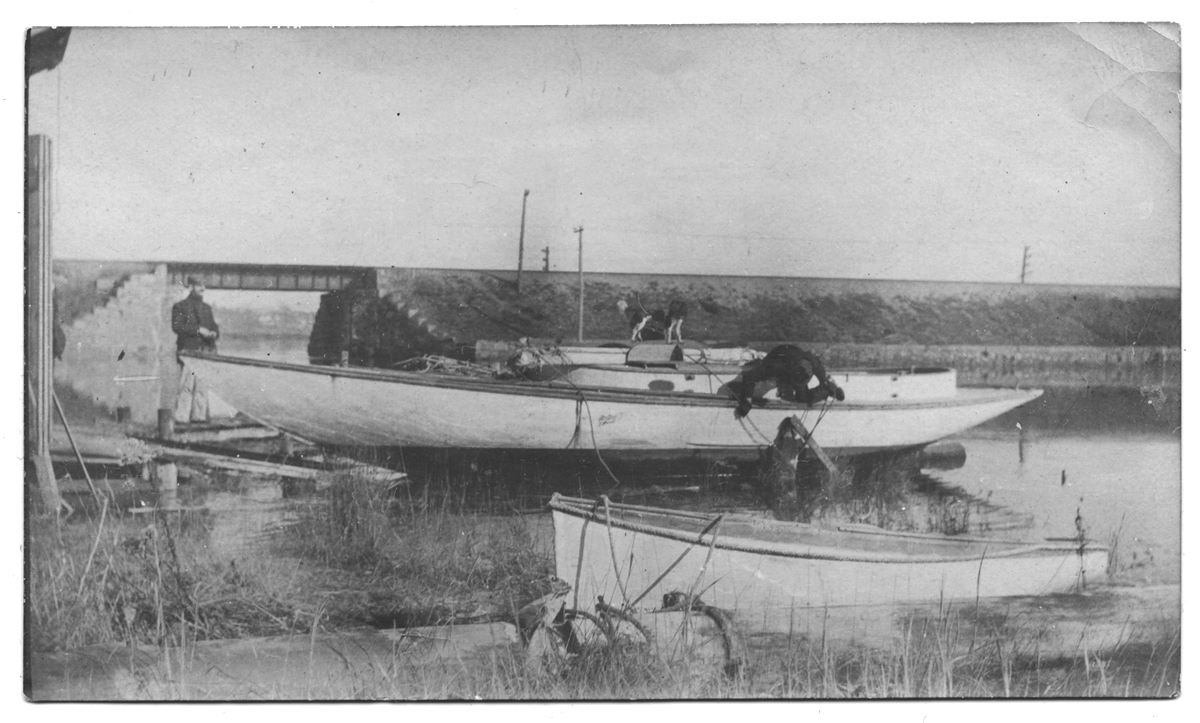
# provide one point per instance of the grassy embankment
(472, 305)
(359, 556)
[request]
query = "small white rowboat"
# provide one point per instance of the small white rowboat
(764, 570)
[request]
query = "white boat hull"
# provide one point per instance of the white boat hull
(369, 407)
(860, 385)
(764, 571)
(692, 367)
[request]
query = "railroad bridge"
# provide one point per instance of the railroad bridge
(272, 277)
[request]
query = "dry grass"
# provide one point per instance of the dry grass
(359, 557)
(142, 579)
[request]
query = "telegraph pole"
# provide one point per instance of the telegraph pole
(1024, 264)
(521, 243)
(579, 231)
(546, 259)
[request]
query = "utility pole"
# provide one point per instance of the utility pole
(1024, 264)
(579, 231)
(546, 259)
(521, 243)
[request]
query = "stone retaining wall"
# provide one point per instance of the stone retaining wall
(114, 354)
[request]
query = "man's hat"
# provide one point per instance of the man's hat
(193, 281)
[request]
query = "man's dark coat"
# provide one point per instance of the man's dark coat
(186, 319)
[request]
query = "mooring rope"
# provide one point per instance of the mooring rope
(579, 562)
(612, 550)
(712, 544)
(698, 540)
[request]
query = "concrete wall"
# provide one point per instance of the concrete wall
(117, 355)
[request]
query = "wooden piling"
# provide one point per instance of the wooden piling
(166, 424)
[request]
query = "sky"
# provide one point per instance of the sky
(935, 152)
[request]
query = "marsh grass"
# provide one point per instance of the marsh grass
(921, 664)
(884, 490)
(348, 528)
(926, 666)
(143, 579)
(362, 554)
(387, 558)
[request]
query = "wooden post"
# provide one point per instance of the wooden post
(168, 359)
(166, 424)
(806, 437)
(521, 243)
(781, 467)
(39, 313)
(346, 334)
(790, 500)
(580, 232)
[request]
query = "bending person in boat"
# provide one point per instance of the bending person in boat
(792, 369)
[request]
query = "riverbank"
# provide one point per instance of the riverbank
(313, 572)
(461, 307)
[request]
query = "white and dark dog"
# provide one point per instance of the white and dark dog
(657, 324)
(676, 313)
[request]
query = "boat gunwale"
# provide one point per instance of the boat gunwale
(592, 510)
(684, 367)
(552, 389)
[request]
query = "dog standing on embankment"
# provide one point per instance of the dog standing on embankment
(657, 324)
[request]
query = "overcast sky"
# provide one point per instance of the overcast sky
(912, 151)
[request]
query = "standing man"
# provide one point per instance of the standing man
(195, 330)
(792, 369)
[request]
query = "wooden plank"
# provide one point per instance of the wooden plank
(254, 466)
(224, 435)
(241, 465)
(803, 435)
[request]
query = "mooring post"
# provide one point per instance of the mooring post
(166, 423)
(39, 314)
(781, 468)
(791, 494)
(807, 437)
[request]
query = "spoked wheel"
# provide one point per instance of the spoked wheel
(572, 632)
(579, 630)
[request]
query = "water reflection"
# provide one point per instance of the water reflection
(1122, 486)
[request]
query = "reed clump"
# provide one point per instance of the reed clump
(884, 490)
(349, 527)
(144, 579)
(388, 561)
